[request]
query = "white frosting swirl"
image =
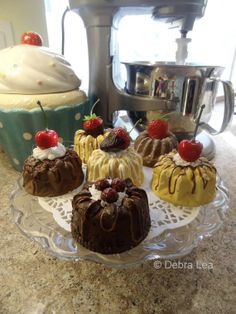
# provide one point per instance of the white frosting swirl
(27, 69)
(49, 153)
(96, 195)
(180, 162)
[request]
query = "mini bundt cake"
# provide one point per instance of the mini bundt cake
(89, 139)
(116, 158)
(154, 142)
(184, 183)
(52, 169)
(85, 144)
(52, 177)
(110, 216)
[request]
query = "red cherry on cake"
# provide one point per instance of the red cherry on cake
(118, 185)
(93, 125)
(190, 150)
(102, 184)
(109, 195)
(31, 38)
(158, 129)
(46, 139)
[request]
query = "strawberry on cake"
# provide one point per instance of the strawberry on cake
(90, 138)
(154, 142)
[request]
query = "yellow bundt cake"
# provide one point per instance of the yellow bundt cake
(124, 164)
(116, 158)
(89, 139)
(85, 144)
(184, 183)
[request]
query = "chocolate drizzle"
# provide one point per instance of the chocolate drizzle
(175, 182)
(194, 182)
(108, 218)
(167, 161)
(150, 149)
(112, 143)
(110, 228)
(84, 144)
(204, 181)
(52, 177)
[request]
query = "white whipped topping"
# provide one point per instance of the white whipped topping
(96, 195)
(180, 162)
(27, 69)
(49, 153)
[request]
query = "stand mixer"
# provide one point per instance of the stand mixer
(186, 86)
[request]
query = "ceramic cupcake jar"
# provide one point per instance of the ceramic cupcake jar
(28, 74)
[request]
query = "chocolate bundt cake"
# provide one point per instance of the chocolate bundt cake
(110, 216)
(52, 177)
(152, 148)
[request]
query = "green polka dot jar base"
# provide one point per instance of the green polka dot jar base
(18, 128)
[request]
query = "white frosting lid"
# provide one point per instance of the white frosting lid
(28, 69)
(49, 153)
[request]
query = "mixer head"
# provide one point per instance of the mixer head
(181, 13)
(101, 18)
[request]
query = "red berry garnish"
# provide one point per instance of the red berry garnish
(158, 129)
(31, 38)
(190, 150)
(102, 184)
(123, 136)
(93, 125)
(118, 139)
(109, 195)
(46, 139)
(118, 185)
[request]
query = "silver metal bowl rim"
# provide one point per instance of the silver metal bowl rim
(169, 64)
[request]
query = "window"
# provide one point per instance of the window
(75, 37)
(141, 38)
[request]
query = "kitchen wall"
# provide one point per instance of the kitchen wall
(23, 15)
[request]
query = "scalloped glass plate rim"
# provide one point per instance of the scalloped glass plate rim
(198, 230)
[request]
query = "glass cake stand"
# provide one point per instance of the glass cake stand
(175, 231)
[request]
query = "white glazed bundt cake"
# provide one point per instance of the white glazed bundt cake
(115, 158)
(90, 138)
